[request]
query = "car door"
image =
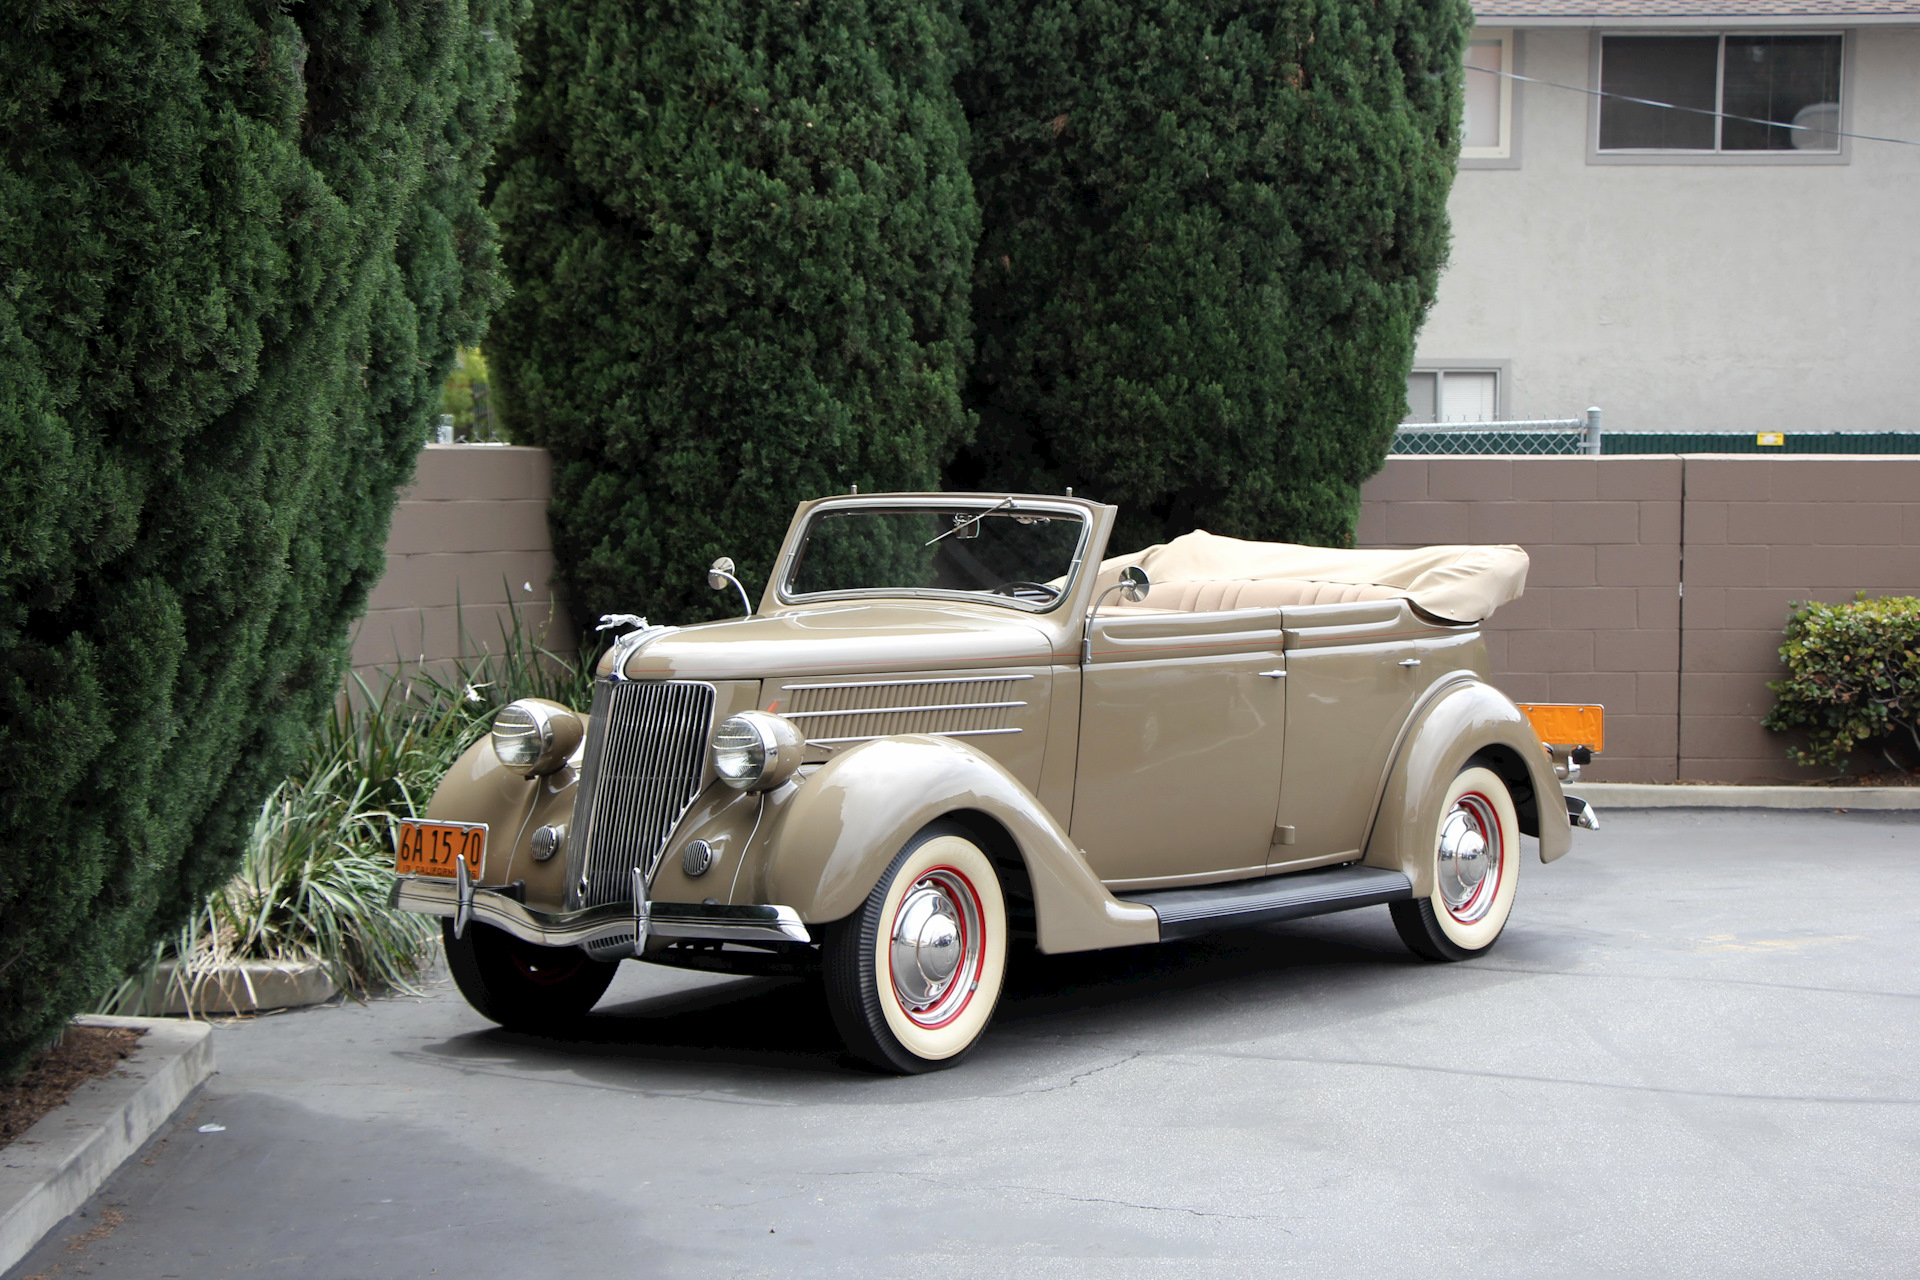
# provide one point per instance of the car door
(1355, 673)
(1182, 720)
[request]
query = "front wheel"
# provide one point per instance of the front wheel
(520, 985)
(913, 976)
(1476, 869)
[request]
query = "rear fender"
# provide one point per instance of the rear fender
(1466, 719)
(830, 842)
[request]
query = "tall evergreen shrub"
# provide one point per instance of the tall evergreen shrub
(740, 236)
(239, 241)
(1211, 229)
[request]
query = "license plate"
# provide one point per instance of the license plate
(1568, 724)
(431, 848)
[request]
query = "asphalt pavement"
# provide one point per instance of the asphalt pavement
(1695, 1052)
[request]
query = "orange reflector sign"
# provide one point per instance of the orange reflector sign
(1568, 724)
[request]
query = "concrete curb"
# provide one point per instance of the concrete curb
(251, 986)
(1665, 795)
(52, 1168)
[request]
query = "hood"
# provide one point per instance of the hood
(848, 638)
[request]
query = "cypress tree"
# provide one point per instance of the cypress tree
(239, 242)
(740, 236)
(1211, 229)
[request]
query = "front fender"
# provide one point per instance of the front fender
(478, 788)
(832, 840)
(1466, 719)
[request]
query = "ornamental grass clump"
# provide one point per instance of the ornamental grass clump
(317, 868)
(1853, 682)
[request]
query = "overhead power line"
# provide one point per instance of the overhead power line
(1698, 111)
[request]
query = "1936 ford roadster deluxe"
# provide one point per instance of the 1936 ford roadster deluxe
(950, 729)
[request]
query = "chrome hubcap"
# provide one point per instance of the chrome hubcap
(1469, 858)
(934, 947)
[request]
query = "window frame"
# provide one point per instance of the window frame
(1843, 155)
(1507, 154)
(1502, 371)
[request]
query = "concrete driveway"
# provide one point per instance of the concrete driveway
(1696, 1052)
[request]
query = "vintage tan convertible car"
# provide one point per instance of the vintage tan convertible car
(951, 729)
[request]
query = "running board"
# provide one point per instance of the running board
(1187, 913)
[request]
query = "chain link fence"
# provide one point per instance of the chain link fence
(1547, 436)
(1531, 436)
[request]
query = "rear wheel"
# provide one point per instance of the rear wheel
(1476, 870)
(913, 976)
(521, 985)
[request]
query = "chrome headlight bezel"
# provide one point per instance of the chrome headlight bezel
(534, 737)
(757, 750)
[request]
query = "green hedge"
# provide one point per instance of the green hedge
(1211, 229)
(1853, 682)
(740, 236)
(240, 243)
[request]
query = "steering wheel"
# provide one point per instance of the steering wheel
(1020, 589)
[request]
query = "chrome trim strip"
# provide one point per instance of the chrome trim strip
(730, 922)
(896, 684)
(896, 711)
(925, 733)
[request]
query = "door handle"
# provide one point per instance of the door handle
(1409, 662)
(1277, 675)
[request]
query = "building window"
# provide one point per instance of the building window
(1453, 395)
(1488, 128)
(1788, 87)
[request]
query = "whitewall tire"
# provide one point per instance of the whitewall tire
(913, 976)
(1475, 871)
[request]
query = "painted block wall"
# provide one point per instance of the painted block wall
(1614, 541)
(1659, 585)
(468, 549)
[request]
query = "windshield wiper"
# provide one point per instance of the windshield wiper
(958, 525)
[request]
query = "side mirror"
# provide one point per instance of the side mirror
(720, 573)
(1133, 587)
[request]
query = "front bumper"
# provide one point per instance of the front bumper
(741, 922)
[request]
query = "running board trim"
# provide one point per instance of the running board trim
(1187, 913)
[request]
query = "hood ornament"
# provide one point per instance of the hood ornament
(629, 644)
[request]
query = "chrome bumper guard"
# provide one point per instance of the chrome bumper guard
(736, 922)
(1581, 814)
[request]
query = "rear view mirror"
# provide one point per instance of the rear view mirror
(1134, 584)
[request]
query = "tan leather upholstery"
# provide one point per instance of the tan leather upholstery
(1460, 583)
(1258, 593)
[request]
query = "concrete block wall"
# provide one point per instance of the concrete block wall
(1760, 534)
(1660, 585)
(1600, 620)
(468, 549)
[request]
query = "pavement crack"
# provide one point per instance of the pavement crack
(685, 1095)
(1075, 1078)
(1727, 1094)
(1135, 1204)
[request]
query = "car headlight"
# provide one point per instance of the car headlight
(534, 736)
(757, 750)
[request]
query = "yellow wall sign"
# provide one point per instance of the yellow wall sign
(1771, 437)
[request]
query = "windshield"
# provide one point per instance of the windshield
(1019, 555)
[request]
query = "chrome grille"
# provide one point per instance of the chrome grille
(961, 707)
(646, 753)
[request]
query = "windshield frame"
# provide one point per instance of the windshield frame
(977, 503)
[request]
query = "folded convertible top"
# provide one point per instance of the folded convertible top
(1458, 583)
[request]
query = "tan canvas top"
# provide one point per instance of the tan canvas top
(1459, 583)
